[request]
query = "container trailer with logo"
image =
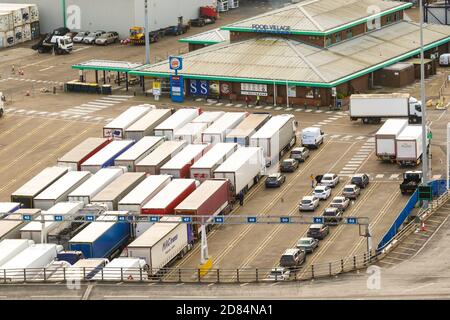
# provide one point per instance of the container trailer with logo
(10, 225)
(26, 194)
(275, 137)
(106, 156)
(243, 168)
(146, 125)
(204, 168)
(120, 269)
(75, 157)
(221, 127)
(118, 189)
(208, 117)
(138, 151)
(179, 166)
(242, 132)
(96, 183)
(9, 248)
(176, 121)
(152, 163)
(409, 146)
(191, 132)
(102, 238)
(59, 191)
(385, 138)
(169, 197)
(162, 244)
(116, 128)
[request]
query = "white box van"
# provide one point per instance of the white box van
(444, 59)
(312, 137)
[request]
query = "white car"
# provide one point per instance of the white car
(90, 39)
(322, 192)
(278, 274)
(340, 202)
(80, 36)
(330, 180)
(309, 203)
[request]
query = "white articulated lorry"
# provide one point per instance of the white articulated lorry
(371, 108)
(385, 138)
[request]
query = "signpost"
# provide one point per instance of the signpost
(156, 89)
(425, 193)
(176, 81)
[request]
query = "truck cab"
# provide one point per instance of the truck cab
(415, 110)
(411, 180)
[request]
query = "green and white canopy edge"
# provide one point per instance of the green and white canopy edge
(107, 65)
(209, 37)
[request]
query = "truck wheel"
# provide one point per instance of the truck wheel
(365, 120)
(1, 113)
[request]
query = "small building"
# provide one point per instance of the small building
(398, 75)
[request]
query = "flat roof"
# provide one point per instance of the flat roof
(208, 117)
(318, 17)
(139, 148)
(226, 122)
(270, 60)
(107, 65)
(108, 152)
(41, 181)
(155, 233)
(178, 119)
(82, 150)
(392, 126)
(145, 189)
(161, 152)
(185, 156)
(63, 185)
(248, 125)
(215, 155)
(128, 117)
(201, 194)
(153, 118)
(410, 133)
(169, 193)
(118, 186)
(272, 126)
(238, 158)
(208, 37)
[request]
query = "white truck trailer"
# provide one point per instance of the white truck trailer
(191, 132)
(409, 146)
(118, 189)
(123, 269)
(26, 194)
(176, 121)
(75, 157)
(275, 137)
(35, 231)
(161, 244)
(243, 168)
(8, 207)
(116, 128)
(152, 163)
(242, 133)
(179, 166)
(146, 125)
(106, 156)
(204, 168)
(9, 248)
(208, 117)
(218, 131)
(371, 108)
(385, 147)
(10, 225)
(137, 152)
(59, 191)
(94, 185)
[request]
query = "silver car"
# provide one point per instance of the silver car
(80, 36)
(351, 191)
(309, 203)
(278, 274)
(107, 38)
(90, 39)
(340, 202)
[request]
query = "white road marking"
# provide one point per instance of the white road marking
(308, 110)
(106, 100)
(379, 176)
(319, 111)
(278, 108)
(322, 123)
(394, 176)
(347, 137)
(102, 104)
(316, 125)
(228, 105)
(360, 138)
(355, 161)
(335, 136)
(219, 103)
(437, 176)
(327, 121)
(238, 105)
(268, 108)
(48, 68)
(371, 139)
(258, 107)
(289, 109)
(93, 105)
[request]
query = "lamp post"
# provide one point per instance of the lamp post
(146, 34)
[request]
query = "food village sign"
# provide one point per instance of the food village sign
(271, 28)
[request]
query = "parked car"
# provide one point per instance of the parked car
(309, 203)
(330, 179)
(80, 36)
(300, 154)
(275, 180)
(91, 37)
(351, 191)
(361, 180)
(292, 258)
(332, 216)
(322, 192)
(107, 38)
(289, 165)
(340, 202)
(318, 231)
(307, 244)
(278, 274)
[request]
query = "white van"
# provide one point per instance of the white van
(444, 59)
(312, 137)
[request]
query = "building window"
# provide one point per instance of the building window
(349, 33)
(397, 16)
(338, 37)
(309, 94)
(328, 40)
(388, 19)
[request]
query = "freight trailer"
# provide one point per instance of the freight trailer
(191, 132)
(242, 133)
(118, 189)
(211, 198)
(123, 269)
(34, 230)
(204, 168)
(29, 262)
(152, 163)
(169, 197)
(409, 146)
(385, 147)
(208, 117)
(177, 120)
(371, 108)
(116, 128)
(79, 154)
(219, 129)
(26, 194)
(10, 225)
(8, 207)
(106, 156)
(146, 125)
(83, 269)
(9, 248)
(102, 238)
(59, 191)
(137, 152)
(243, 168)
(179, 166)
(90, 188)
(275, 137)
(162, 244)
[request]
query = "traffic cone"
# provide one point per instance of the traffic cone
(27, 93)
(423, 227)
(130, 277)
